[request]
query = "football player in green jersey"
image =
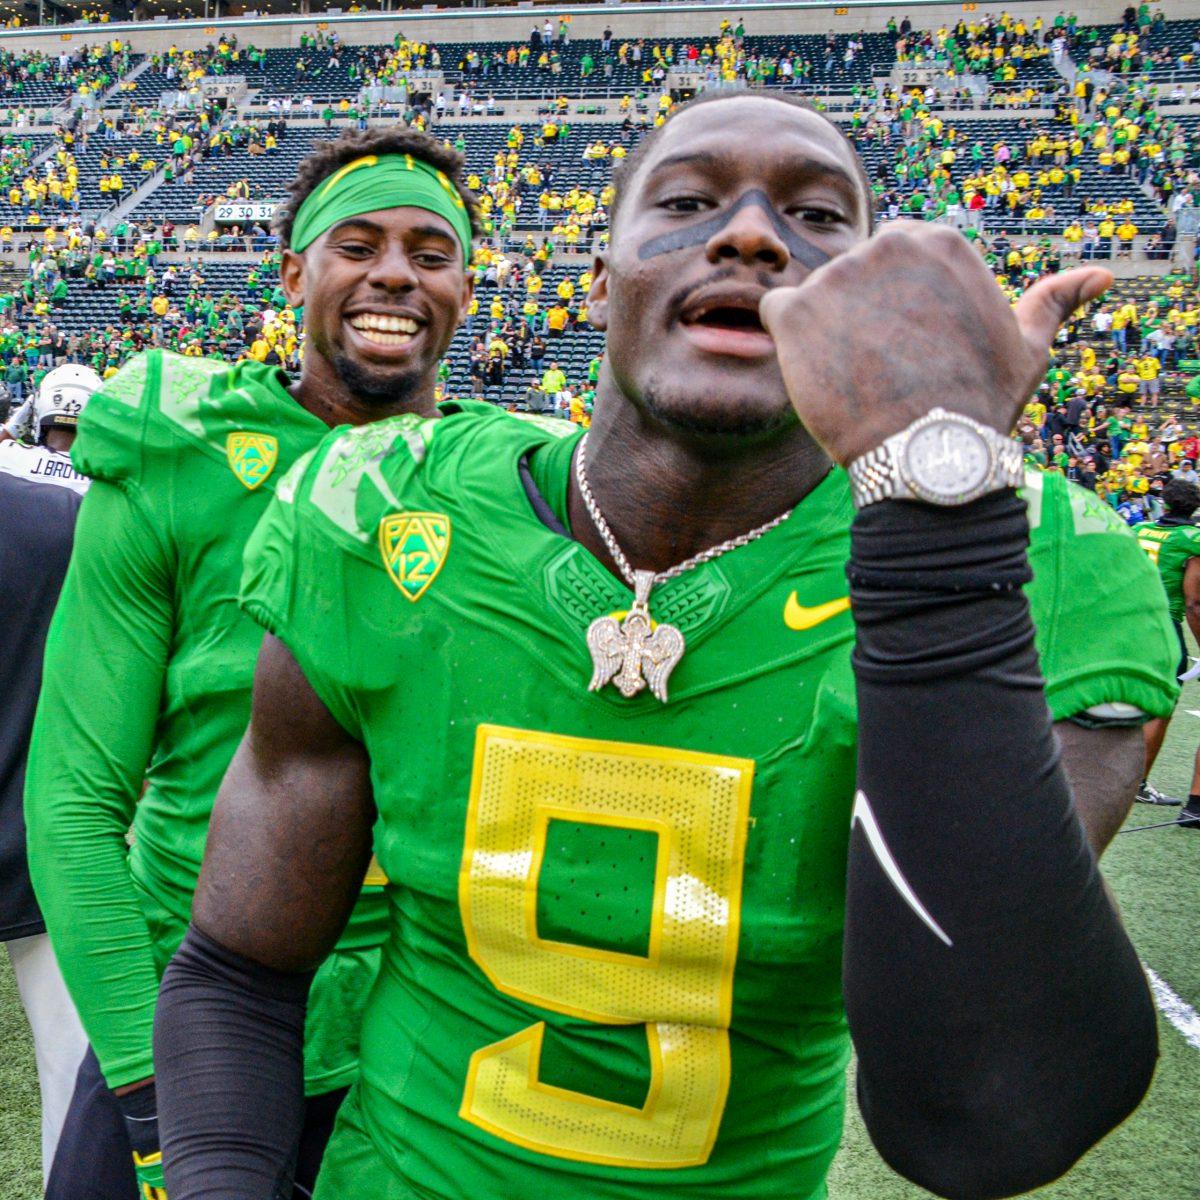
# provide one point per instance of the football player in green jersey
(1173, 544)
(150, 663)
(594, 702)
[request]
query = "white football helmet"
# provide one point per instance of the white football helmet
(63, 394)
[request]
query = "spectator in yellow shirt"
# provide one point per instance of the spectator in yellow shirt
(1122, 318)
(1149, 385)
(1128, 380)
(556, 320)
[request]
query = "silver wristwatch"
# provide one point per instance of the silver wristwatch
(941, 458)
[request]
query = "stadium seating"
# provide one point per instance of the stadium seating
(44, 80)
(332, 76)
(212, 176)
(318, 80)
(1178, 38)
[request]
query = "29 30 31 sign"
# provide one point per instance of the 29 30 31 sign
(244, 212)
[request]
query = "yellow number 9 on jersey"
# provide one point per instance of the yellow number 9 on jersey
(681, 989)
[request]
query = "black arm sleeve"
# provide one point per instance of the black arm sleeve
(229, 1067)
(1002, 1020)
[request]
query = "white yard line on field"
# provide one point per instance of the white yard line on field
(1177, 1010)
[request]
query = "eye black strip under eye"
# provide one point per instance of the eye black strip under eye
(696, 235)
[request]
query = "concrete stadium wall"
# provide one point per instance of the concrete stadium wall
(674, 20)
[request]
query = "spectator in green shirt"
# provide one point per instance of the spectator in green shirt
(553, 379)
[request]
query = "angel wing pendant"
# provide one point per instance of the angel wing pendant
(634, 653)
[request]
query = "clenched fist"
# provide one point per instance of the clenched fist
(908, 321)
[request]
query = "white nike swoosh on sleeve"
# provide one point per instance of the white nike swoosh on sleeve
(864, 815)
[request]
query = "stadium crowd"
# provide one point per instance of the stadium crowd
(1034, 194)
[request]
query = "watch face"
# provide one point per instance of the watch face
(947, 462)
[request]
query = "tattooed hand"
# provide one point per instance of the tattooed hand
(908, 321)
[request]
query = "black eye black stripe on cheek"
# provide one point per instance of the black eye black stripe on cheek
(696, 235)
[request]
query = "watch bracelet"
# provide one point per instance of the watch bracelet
(875, 475)
(872, 476)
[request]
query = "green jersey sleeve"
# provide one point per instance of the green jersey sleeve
(86, 765)
(111, 443)
(1103, 632)
(362, 496)
(295, 569)
(269, 587)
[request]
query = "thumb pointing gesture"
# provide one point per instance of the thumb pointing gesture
(907, 320)
(1051, 300)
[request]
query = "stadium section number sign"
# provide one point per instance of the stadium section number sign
(222, 87)
(244, 212)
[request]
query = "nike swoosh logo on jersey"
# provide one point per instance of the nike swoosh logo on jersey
(796, 616)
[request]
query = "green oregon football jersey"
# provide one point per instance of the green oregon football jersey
(614, 960)
(1090, 632)
(1170, 546)
(149, 656)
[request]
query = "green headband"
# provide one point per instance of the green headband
(381, 181)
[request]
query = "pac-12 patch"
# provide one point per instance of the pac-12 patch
(252, 456)
(414, 546)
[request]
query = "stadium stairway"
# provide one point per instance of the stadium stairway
(120, 89)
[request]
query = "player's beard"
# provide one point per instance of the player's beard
(382, 389)
(719, 419)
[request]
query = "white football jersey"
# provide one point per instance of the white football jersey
(40, 464)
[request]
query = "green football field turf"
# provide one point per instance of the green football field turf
(1156, 876)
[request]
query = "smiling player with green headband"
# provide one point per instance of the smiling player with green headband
(149, 663)
(357, 187)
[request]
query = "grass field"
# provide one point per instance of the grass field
(1156, 875)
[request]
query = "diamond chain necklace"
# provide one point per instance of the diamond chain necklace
(638, 652)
